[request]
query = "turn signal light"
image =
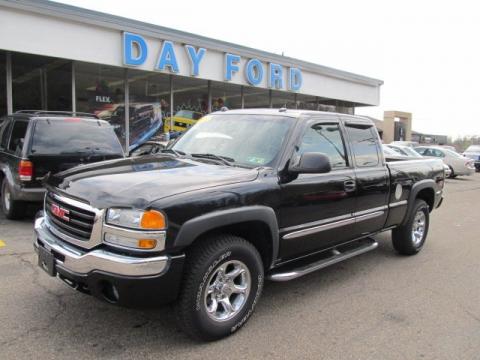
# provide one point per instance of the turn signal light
(147, 243)
(25, 170)
(152, 219)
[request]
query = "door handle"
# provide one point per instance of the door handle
(349, 185)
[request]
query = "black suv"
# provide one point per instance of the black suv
(34, 143)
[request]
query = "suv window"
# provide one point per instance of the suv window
(18, 136)
(326, 139)
(74, 136)
(363, 139)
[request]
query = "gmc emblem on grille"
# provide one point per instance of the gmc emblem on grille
(59, 212)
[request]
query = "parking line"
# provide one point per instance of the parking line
(2, 243)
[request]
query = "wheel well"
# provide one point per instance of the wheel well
(255, 232)
(428, 195)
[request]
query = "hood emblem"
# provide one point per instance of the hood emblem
(59, 212)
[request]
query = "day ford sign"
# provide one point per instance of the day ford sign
(255, 72)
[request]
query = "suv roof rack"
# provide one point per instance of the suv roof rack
(56, 113)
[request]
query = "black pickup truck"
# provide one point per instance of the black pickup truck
(244, 195)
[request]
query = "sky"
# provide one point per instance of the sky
(426, 52)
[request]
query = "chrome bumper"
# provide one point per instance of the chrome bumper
(84, 262)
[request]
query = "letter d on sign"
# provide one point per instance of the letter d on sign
(134, 49)
(295, 80)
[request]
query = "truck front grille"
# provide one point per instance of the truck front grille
(68, 219)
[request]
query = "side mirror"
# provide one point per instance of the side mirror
(311, 163)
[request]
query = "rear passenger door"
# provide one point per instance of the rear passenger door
(371, 177)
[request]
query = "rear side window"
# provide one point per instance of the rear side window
(363, 140)
(74, 137)
(5, 132)
(325, 139)
(18, 136)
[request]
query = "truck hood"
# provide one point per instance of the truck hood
(137, 182)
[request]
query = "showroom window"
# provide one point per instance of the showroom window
(190, 103)
(3, 84)
(41, 83)
(283, 99)
(149, 101)
(256, 97)
(100, 90)
(229, 95)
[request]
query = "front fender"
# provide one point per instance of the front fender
(211, 221)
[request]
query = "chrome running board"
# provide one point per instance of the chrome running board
(330, 257)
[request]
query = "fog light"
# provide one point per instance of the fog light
(147, 243)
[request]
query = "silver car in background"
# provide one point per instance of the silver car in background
(458, 164)
(473, 152)
(411, 154)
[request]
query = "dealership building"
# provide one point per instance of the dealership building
(57, 57)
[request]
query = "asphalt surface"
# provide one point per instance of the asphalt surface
(375, 306)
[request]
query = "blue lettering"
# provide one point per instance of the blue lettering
(254, 72)
(295, 82)
(167, 57)
(134, 49)
(231, 66)
(276, 76)
(195, 58)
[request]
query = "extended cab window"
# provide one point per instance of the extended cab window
(325, 139)
(18, 136)
(363, 139)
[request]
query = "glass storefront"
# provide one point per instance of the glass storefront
(228, 95)
(149, 98)
(45, 83)
(41, 83)
(256, 97)
(3, 84)
(101, 90)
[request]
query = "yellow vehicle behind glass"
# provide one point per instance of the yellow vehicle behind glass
(182, 120)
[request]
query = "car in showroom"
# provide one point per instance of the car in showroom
(182, 120)
(473, 152)
(35, 143)
(204, 222)
(459, 165)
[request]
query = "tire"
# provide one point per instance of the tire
(202, 286)
(13, 209)
(408, 239)
(452, 173)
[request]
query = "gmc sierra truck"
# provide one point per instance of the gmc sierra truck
(243, 196)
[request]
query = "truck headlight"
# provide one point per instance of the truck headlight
(136, 219)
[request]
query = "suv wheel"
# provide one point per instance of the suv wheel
(12, 209)
(408, 239)
(222, 283)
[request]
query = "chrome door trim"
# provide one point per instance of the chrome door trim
(329, 224)
(398, 203)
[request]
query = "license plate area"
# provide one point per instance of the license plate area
(46, 261)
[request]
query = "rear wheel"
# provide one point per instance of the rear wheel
(408, 239)
(13, 209)
(222, 283)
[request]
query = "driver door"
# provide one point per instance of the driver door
(316, 210)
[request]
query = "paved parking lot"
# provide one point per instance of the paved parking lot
(376, 306)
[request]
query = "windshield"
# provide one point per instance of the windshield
(75, 136)
(250, 140)
(410, 152)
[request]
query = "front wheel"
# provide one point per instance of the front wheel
(408, 239)
(222, 283)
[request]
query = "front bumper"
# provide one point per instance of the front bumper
(114, 277)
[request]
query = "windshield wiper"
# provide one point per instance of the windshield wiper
(174, 152)
(224, 159)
